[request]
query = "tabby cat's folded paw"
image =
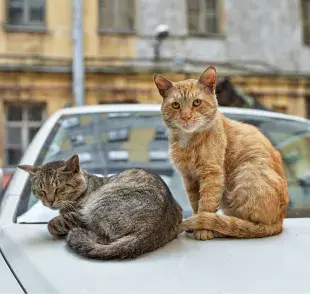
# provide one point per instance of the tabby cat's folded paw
(55, 228)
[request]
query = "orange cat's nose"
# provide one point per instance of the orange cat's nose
(185, 116)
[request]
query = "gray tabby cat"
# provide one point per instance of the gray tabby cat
(119, 217)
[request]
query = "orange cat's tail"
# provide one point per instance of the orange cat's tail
(229, 226)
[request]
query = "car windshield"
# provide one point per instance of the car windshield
(108, 143)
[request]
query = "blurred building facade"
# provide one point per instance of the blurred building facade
(260, 47)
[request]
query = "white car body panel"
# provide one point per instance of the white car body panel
(267, 265)
(8, 282)
(45, 265)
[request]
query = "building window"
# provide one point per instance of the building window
(117, 16)
(22, 123)
(306, 20)
(26, 12)
(203, 17)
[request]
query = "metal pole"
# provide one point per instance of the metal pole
(157, 49)
(78, 56)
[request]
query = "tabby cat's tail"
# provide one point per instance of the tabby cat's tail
(229, 226)
(88, 244)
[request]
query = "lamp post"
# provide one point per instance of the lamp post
(162, 32)
(78, 56)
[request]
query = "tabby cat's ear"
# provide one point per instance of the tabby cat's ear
(72, 164)
(208, 79)
(163, 85)
(28, 168)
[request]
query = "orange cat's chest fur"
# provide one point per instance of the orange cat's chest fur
(189, 152)
(183, 156)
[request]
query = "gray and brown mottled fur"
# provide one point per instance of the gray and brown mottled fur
(119, 217)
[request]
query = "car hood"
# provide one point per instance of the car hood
(274, 264)
(11, 284)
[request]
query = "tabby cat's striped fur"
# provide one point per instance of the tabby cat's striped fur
(122, 216)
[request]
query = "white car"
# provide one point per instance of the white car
(112, 138)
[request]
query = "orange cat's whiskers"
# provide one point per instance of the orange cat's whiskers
(171, 125)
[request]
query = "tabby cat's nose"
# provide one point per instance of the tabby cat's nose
(50, 198)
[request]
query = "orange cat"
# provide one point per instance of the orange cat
(223, 163)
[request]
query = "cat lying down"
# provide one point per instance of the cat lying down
(116, 217)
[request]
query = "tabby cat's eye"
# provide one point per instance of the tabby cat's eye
(60, 190)
(41, 193)
(196, 102)
(176, 105)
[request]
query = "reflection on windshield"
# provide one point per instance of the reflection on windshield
(108, 143)
(112, 141)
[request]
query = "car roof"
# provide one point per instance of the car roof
(156, 107)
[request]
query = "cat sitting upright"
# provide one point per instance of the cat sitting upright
(118, 217)
(223, 163)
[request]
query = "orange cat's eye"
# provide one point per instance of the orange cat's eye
(196, 102)
(176, 105)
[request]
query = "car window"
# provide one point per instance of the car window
(108, 143)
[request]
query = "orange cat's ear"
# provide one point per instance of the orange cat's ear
(28, 168)
(163, 85)
(72, 164)
(208, 78)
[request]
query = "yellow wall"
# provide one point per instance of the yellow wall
(56, 42)
(285, 94)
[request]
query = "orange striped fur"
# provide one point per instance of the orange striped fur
(223, 163)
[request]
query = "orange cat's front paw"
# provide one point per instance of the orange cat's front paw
(204, 235)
